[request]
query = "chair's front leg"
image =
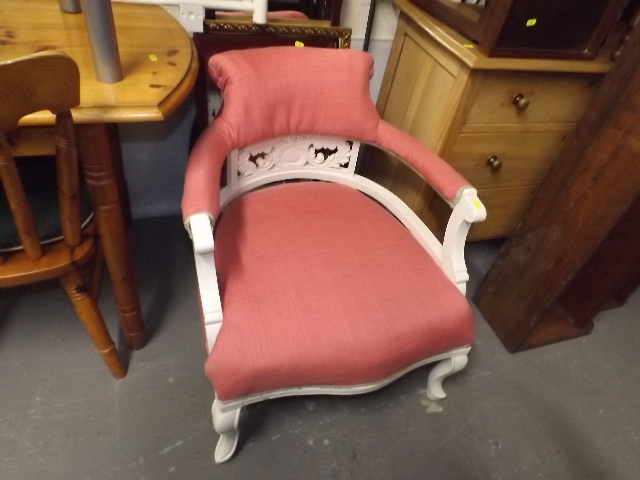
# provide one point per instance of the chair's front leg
(226, 425)
(442, 370)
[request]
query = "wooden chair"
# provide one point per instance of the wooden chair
(328, 286)
(34, 245)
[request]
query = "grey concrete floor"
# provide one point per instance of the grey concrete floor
(566, 411)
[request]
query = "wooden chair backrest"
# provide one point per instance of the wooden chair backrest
(43, 81)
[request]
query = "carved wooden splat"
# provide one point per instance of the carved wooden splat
(297, 151)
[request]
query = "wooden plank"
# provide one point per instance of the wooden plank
(591, 185)
(621, 243)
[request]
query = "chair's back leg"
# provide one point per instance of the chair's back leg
(68, 179)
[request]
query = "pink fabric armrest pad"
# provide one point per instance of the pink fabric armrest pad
(440, 175)
(202, 178)
(278, 91)
(320, 285)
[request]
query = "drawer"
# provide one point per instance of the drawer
(505, 207)
(521, 158)
(551, 97)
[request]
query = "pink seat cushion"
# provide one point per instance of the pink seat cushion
(321, 286)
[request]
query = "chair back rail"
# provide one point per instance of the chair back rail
(25, 88)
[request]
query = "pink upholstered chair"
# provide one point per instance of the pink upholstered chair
(331, 286)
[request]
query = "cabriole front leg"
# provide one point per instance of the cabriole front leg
(95, 152)
(442, 370)
(225, 425)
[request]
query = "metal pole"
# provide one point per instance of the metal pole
(101, 31)
(70, 6)
(367, 33)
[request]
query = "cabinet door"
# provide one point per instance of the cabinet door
(424, 91)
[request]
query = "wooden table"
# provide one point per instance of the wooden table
(159, 66)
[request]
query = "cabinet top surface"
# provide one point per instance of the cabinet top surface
(465, 50)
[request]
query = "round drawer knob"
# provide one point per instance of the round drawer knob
(494, 163)
(520, 101)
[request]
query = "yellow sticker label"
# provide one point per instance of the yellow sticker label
(531, 22)
(477, 205)
(153, 58)
(299, 43)
(469, 45)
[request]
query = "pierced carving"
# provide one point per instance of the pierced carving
(294, 152)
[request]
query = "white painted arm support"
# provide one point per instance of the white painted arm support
(202, 236)
(468, 210)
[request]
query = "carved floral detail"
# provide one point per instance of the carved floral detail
(294, 152)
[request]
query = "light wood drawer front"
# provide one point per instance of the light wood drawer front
(525, 157)
(505, 207)
(552, 97)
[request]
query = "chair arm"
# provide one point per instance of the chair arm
(469, 209)
(202, 177)
(439, 174)
(200, 228)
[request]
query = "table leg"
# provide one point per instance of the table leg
(95, 152)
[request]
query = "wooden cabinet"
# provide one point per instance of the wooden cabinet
(500, 122)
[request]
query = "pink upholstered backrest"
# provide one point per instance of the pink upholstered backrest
(277, 91)
(281, 91)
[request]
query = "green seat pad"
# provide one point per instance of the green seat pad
(38, 175)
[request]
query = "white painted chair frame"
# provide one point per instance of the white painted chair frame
(297, 157)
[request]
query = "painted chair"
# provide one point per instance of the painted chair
(46, 228)
(324, 282)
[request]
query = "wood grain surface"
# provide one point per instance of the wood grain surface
(159, 69)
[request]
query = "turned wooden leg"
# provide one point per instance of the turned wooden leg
(226, 425)
(442, 370)
(95, 272)
(92, 321)
(96, 157)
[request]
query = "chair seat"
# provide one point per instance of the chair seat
(306, 294)
(37, 174)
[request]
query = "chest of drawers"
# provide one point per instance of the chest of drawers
(499, 122)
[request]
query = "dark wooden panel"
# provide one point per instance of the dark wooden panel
(611, 270)
(588, 190)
